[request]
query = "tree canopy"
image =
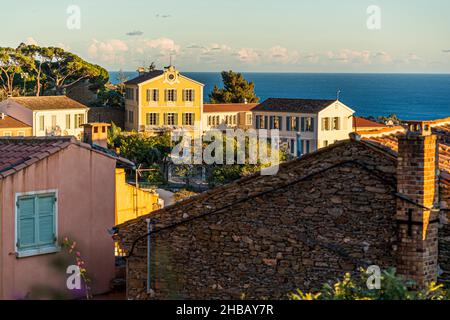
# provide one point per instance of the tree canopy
(46, 70)
(236, 90)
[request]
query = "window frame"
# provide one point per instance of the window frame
(149, 116)
(189, 95)
(80, 119)
(42, 122)
(42, 250)
(188, 116)
(172, 92)
(336, 125)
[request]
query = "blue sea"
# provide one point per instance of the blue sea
(409, 96)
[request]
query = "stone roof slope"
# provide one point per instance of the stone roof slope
(221, 198)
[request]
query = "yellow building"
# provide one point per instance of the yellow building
(163, 101)
(132, 202)
(10, 127)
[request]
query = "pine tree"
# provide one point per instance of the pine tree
(236, 90)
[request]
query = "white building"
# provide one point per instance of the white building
(48, 115)
(305, 125)
(228, 116)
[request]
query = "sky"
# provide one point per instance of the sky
(398, 36)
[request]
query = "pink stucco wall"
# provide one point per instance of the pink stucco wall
(85, 182)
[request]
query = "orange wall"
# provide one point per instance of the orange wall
(85, 182)
(126, 197)
(15, 132)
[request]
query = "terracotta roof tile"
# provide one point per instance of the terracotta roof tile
(229, 107)
(12, 123)
(361, 123)
(19, 153)
(442, 131)
(48, 103)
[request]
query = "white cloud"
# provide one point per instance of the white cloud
(283, 55)
(31, 41)
(248, 55)
(164, 45)
(108, 51)
(63, 46)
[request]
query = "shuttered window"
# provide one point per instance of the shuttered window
(36, 223)
(152, 119)
(171, 119)
(170, 95)
(188, 95)
(68, 121)
(152, 95)
(188, 119)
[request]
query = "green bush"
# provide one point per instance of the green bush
(392, 287)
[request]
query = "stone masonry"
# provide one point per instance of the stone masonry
(325, 214)
(418, 221)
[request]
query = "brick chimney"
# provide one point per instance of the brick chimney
(417, 206)
(96, 133)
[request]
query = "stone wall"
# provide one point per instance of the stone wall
(316, 219)
(444, 234)
(108, 115)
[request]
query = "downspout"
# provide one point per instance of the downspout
(149, 231)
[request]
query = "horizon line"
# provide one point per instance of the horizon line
(309, 72)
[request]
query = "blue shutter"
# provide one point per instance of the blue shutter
(266, 122)
(26, 223)
(280, 121)
(288, 123)
(303, 124)
(272, 122)
(297, 124)
(46, 214)
(312, 124)
(258, 122)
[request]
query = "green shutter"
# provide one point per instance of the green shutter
(184, 95)
(46, 214)
(175, 118)
(157, 94)
(165, 119)
(193, 95)
(149, 92)
(26, 223)
(166, 95)
(193, 119)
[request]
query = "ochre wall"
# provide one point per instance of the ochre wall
(126, 196)
(28, 131)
